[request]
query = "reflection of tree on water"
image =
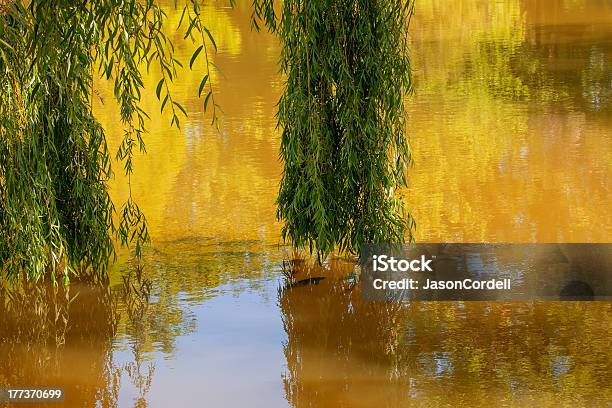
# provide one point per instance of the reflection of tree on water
(141, 377)
(341, 350)
(136, 293)
(99, 338)
(63, 337)
(336, 343)
(42, 326)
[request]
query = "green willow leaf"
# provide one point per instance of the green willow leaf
(210, 37)
(195, 55)
(158, 88)
(202, 84)
(178, 105)
(163, 105)
(206, 99)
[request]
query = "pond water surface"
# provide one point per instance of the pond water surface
(511, 128)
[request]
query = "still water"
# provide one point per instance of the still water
(510, 128)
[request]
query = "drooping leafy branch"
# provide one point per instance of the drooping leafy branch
(343, 144)
(56, 215)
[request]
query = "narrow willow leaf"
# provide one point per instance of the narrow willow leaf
(161, 110)
(202, 84)
(206, 100)
(195, 55)
(210, 37)
(109, 67)
(178, 105)
(159, 88)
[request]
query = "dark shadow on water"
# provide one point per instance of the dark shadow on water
(577, 290)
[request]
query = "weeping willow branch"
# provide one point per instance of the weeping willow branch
(343, 145)
(56, 215)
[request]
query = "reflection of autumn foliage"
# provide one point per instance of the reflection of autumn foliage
(503, 91)
(342, 351)
(197, 175)
(5, 5)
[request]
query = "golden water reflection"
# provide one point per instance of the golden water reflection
(510, 128)
(511, 121)
(343, 351)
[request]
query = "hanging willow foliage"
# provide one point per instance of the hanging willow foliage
(56, 215)
(343, 145)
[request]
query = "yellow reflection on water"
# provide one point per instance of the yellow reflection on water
(510, 128)
(509, 145)
(196, 181)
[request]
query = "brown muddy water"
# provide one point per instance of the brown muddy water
(510, 128)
